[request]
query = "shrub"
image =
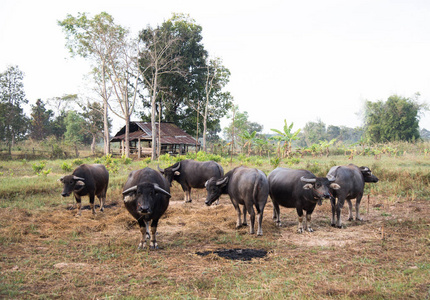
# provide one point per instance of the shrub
(66, 167)
(78, 161)
(37, 168)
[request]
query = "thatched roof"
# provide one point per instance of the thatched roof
(170, 133)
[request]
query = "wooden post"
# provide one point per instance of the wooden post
(138, 148)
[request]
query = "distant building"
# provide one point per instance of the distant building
(173, 139)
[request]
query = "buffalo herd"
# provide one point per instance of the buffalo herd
(146, 193)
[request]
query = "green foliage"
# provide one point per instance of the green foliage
(274, 162)
(78, 161)
(37, 168)
(287, 136)
(66, 167)
(397, 119)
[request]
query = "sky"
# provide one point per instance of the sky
(299, 61)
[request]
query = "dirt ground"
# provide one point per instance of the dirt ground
(52, 254)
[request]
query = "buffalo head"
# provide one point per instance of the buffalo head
(367, 175)
(320, 186)
(215, 188)
(71, 183)
(145, 195)
(170, 172)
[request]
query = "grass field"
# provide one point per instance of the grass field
(47, 253)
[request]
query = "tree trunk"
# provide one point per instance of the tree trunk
(93, 144)
(127, 135)
(106, 139)
(153, 127)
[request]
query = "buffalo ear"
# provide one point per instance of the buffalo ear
(61, 179)
(307, 186)
(334, 186)
(177, 173)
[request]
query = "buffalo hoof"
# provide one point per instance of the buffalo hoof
(350, 219)
(339, 226)
(188, 201)
(300, 230)
(310, 229)
(333, 225)
(154, 247)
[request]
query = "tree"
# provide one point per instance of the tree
(313, 132)
(40, 124)
(216, 102)
(397, 119)
(75, 132)
(102, 42)
(13, 122)
(249, 139)
(157, 58)
(287, 136)
(93, 117)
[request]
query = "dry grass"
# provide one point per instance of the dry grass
(52, 254)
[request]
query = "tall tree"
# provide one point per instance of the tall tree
(396, 119)
(101, 41)
(214, 103)
(158, 57)
(40, 123)
(13, 122)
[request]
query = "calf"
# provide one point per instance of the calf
(248, 187)
(91, 180)
(351, 179)
(299, 189)
(146, 197)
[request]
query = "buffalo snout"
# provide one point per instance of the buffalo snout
(64, 194)
(145, 210)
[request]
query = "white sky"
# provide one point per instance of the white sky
(296, 60)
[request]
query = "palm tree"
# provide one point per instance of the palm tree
(249, 138)
(287, 136)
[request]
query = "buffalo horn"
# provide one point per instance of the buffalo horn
(222, 181)
(159, 189)
(331, 178)
(129, 190)
(77, 178)
(309, 180)
(159, 169)
(177, 168)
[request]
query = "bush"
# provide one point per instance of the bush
(66, 167)
(78, 161)
(37, 168)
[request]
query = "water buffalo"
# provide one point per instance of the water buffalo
(298, 189)
(192, 174)
(146, 197)
(245, 186)
(351, 179)
(91, 180)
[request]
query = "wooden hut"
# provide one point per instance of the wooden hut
(173, 139)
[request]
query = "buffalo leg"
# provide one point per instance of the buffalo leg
(260, 222)
(339, 207)
(357, 208)
(78, 205)
(276, 213)
(237, 208)
(350, 218)
(244, 223)
(308, 219)
(153, 245)
(144, 230)
(333, 211)
(300, 214)
(251, 217)
(92, 196)
(102, 199)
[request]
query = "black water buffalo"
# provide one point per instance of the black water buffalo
(245, 186)
(351, 179)
(91, 180)
(146, 197)
(192, 174)
(298, 189)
